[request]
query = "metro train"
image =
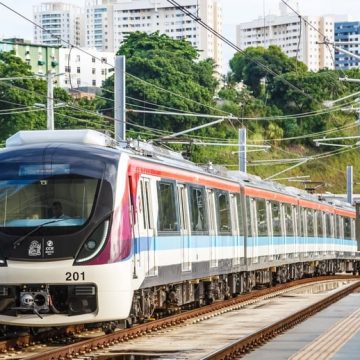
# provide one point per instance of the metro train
(94, 232)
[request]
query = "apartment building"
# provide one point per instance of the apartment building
(41, 58)
(293, 35)
(80, 70)
(108, 22)
(347, 34)
(59, 20)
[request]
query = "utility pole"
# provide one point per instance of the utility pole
(119, 84)
(242, 149)
(50, 101)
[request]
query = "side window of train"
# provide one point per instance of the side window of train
(337, 227)
(328, 225)
(276, 218)
(310, 222)
(303, 219)
(168, 214)
(261, 217)
(146, 203)
(223, 212)
(198, 215)
(240, 214)
(353, 237)
(319, 223)
(347, 228)
(249, 217)
(289, 224)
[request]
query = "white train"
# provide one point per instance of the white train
(91, 232)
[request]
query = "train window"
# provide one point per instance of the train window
(261, 217)
(167, 219)
(319, 223)
(145, 203)
(347, 228)
(198, 216)
(240, 214)
(289, 224)
(303, 222)
(223, 212)
(310, 222)
(249, 217)
(328, 225)
(337, 227)
(276, 218)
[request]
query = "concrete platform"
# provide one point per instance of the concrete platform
(333, 333)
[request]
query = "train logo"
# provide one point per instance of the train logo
(35, 248)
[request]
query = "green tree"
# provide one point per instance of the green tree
(170, 64)
(246, 66)
(18, 96)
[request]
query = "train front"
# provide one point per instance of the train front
(64, 231)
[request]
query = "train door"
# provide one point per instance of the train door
(212, 228)
(148, 227)
(184, 228)
(235, 229)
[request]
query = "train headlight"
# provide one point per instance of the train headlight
(2, 262)
(93, 245)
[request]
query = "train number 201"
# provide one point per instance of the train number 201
(75, 276)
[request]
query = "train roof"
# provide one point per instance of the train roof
(150, 152)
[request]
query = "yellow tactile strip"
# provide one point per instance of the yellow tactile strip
(327, 344)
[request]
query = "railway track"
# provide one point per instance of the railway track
(83, 348)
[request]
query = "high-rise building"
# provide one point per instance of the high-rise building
(104, 24)
(59, 19)
(347, 33)
(98, 25)
(293, 36)
(108, 22)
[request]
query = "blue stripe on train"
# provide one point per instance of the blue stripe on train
(195, 242)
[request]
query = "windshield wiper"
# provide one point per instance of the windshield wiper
(22, 238)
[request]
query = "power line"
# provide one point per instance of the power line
(235, 47)
(20, 112)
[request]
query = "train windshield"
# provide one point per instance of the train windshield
(34, 194)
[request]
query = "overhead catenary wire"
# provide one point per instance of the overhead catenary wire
(207, 115)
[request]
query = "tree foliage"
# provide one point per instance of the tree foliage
(246, 66)
(15, 95)
(170, 64)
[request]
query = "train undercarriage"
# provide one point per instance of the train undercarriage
(158, 301)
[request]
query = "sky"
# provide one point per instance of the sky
(234, 12)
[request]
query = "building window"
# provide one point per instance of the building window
(94, 83)
(78, 70)
(93, 59)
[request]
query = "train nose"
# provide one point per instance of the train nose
(27, 300)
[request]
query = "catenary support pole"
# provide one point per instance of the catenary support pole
(120, 93)
(50, 101)
(349, 183)
(242, 149)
